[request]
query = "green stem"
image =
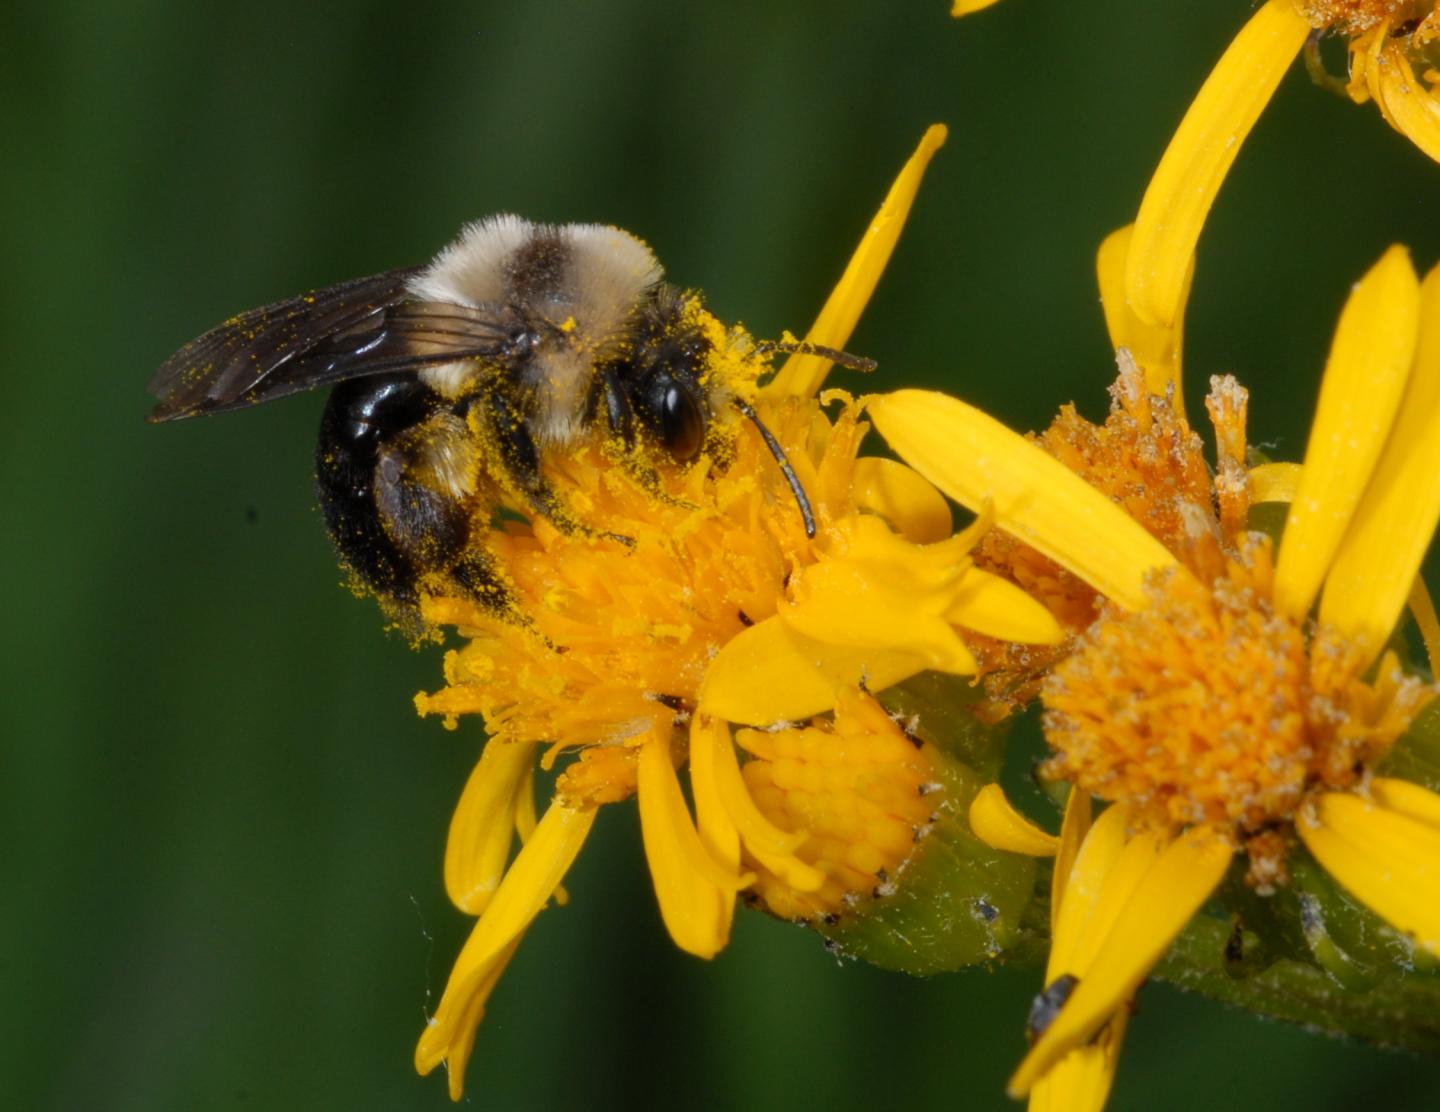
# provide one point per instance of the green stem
(1401, 1010)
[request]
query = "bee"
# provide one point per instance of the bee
(451, 383)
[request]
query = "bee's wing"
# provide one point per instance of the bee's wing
(363, 327)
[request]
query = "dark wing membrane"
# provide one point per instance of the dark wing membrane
(363, 327)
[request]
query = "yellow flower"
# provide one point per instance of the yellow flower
(1208, 705)
(635, 658)
(1388, 42)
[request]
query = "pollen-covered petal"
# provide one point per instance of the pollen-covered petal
(996, 823)
(1406, 101)
(803, 375)
(1385, 852)
(914, 508)
(483, 826)
(998, 608)
(1171, 890)
(1156, 348)
(1081, 1081)
(529, 883)
(1365, 377)
(1395, 521)
(771, 673)
(977, 461)
(1274, 482)
(1200, 155)
(691, 887)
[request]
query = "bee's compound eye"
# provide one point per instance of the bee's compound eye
(682, 423)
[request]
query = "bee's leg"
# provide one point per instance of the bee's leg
(520, 457)
(476, 573)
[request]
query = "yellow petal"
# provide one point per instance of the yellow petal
(997, 823)
(803, 375)
(1274, 482)
(879, 591)
(1142, 926)
(1406, 101)
(968, 7)
(1381, 551)
(692, 888)
(1081, 1081)
(528, 885)
(1422, 609)
(1386, 857)
(717, 830)
(977, 461)
(1155, 348)
(914, 508)
(1091, 866)
(1073, 829)
(1365, 377)
(1200, 154)
(1405, 798)
(770, 673)
(483, 826)
(998, 608)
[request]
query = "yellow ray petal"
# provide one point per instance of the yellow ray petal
(1081, 1081)
(717, 830)
(1365, 377)
(914, 508)
(1156, 348)
(1200, 154)
(1091, 866)
(803, 375)
(529, 883)
(978, 462)
(1073, 829)
(1406, 101)
(1405, 798)
(1386, 858)
(998, 608)
(1274, 482)
(483, 826)
(1422, 609)
(1172, 889)
(1381, 551)
(997, 823)
(770, 673)
(692, 888)
(969, 7)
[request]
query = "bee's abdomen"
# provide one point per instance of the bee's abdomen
(362, 417)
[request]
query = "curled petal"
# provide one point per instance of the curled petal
(1274, 482)
(484, 824)
(1408, 104)
(996, 823)
(1156, 348)
(695, 892)
(1200, 155)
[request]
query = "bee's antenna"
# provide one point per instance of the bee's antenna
(785, 469)
(804, 347)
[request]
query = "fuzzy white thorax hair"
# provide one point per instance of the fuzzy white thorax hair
(582, 279)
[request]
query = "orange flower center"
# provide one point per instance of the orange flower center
(1209, 707)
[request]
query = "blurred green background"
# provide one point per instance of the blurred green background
(222, 822)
